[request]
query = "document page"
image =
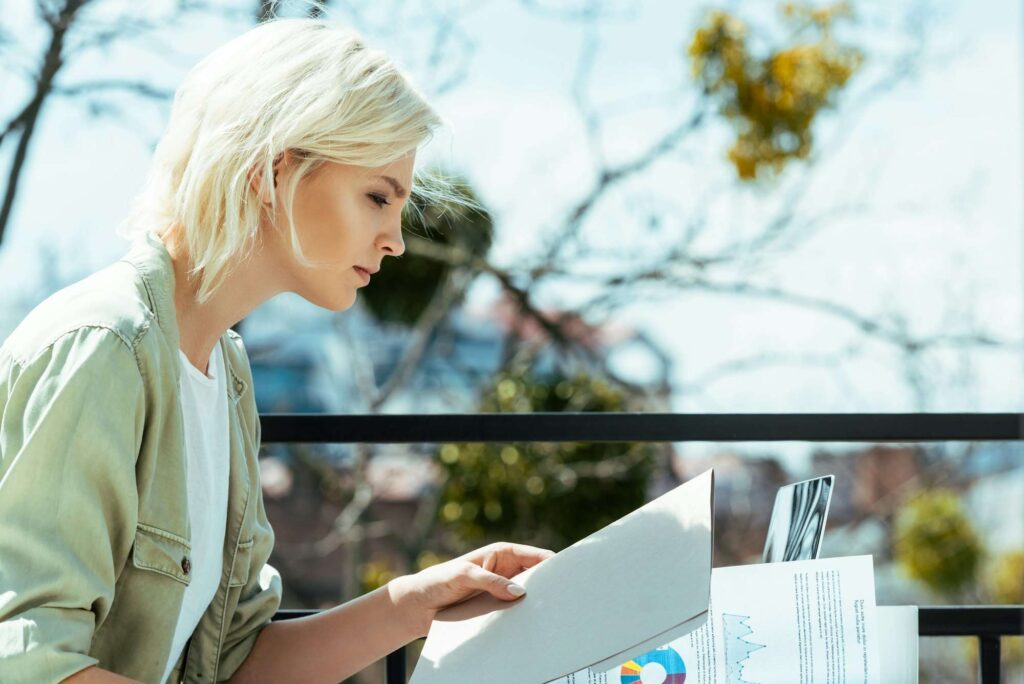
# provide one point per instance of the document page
(793, 623)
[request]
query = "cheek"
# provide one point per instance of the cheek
(321, 227)
(318, 219)
(342, 235)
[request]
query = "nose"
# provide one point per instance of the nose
(392, 242)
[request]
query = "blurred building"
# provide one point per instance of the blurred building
(301, 361)
(869, 482)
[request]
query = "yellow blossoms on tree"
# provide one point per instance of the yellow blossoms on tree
(772, 100)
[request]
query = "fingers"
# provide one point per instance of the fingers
(505, 558)
(490, 561)
(528, 554)
(500, 587)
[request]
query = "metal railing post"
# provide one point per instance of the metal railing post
(396, 667)
(988, 660)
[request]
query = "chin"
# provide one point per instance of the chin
(336, 300)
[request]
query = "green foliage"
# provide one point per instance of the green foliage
(936, 543)
(374, 574)
(772, 100)
(378, 572)
(547, 494)
(1005, 581)
(401, 291)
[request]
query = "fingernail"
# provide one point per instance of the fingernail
(515, 589)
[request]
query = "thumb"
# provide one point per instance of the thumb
(493, 583)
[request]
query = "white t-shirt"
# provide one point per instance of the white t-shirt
(204, 405)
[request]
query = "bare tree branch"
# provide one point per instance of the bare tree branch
(589, 49)
(60, 22)
(141, 88)
(450, 54)
(556, 330)
(585, 10)
(89, 32)
(608, 178)
(265, 9)
(834, 362)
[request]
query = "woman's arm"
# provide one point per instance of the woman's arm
(334, 644)
(95, 675)
(71, 422)
(331, 645)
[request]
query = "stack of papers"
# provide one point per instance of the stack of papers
(638, 583)
(637, 603)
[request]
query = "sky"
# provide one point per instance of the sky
(937, 164)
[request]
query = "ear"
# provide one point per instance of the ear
(256, 177)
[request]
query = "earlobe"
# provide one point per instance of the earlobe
(256, 177)
(256, 184)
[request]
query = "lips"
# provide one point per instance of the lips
(363, 274)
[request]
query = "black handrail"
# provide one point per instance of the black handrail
(987, 623)
(641, 427)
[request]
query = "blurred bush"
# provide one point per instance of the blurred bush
(546, 494)
(936, 543)
(1005, 580)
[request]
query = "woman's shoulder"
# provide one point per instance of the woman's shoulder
(109, 299)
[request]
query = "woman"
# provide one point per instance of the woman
(133, 538)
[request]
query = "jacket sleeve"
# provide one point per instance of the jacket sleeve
(260, 596)
(71, 422)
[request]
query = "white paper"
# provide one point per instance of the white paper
(645, 576)
(898, 644)
(792, 623)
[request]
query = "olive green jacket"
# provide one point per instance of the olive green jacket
(94, 525)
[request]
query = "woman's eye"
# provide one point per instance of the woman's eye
(379, 200)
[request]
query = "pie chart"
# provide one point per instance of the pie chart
(669, 661)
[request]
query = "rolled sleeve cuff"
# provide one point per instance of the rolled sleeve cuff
(45, 645)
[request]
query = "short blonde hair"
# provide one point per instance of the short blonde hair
(303, 85)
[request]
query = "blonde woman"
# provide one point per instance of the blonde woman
(133, 537)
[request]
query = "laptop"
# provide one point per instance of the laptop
(798, 517)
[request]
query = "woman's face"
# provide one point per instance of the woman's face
(345, 217)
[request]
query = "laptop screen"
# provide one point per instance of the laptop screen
(797, 524)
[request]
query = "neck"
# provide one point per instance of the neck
(201, 325)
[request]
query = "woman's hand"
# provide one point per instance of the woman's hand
(486, 569)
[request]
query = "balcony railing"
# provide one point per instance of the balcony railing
(987, 623)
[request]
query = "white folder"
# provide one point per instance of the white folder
(633, 585)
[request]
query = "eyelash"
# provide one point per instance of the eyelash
(379, 200)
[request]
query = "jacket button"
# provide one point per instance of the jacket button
(186, 565)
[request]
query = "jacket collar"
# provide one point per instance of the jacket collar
(149, 255)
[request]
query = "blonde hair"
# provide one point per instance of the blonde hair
(302, 85)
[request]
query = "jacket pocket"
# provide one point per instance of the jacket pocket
(240, 568)
(162, 552)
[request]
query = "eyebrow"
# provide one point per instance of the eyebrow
(399, 190)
